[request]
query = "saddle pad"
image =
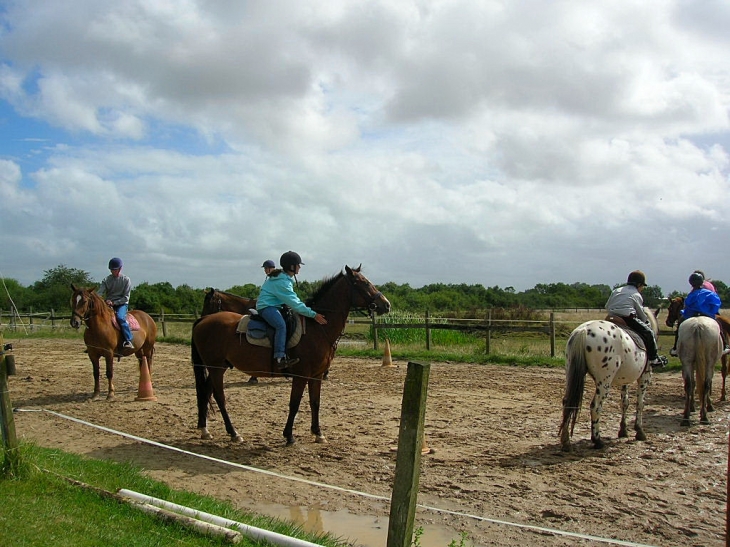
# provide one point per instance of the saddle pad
(265, 342)
(131, 320)
(635, 336)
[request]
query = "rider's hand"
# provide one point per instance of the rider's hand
(319, 318)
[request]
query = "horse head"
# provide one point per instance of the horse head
(675, 307)
(82, 305)
(365, 295)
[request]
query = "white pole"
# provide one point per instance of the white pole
(245, 529)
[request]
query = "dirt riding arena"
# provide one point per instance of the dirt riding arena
(493, 430)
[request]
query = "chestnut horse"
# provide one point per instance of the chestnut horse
(217, 347)
(216, 301)
(104, 339)
(676, 305)
(611, 356)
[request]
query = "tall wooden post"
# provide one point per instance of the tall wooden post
(11, 458)
(408, 462)
(375, 332)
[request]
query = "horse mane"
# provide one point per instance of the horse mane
(327, 284)
(99, 303)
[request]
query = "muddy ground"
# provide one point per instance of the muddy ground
(493, 430)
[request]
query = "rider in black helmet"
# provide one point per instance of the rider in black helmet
(626, 302)
(278, 290)
(116, 288)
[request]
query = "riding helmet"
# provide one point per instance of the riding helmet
(696, 280)
(636, 278)
(289, 259)
(115, 263)
(268, 264)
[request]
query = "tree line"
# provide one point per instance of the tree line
(53, 292)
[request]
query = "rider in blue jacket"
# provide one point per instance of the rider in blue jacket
(278, 290)
(700, 302)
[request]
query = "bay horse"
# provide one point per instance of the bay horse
(676, 305)
(610, 355)
(216, 301)
(698, 347)
(216, 347)
(104, 339)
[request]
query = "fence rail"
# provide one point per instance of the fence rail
(488, 326)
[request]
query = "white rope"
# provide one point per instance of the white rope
(539, 529)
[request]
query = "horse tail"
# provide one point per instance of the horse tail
(576, 369)
(701, 355)
(200, 372)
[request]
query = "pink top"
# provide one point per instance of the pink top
(709, 286)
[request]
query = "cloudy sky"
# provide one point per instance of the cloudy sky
(498, 142)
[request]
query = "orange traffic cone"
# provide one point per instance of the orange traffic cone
(387, 361)
(144, 392)
(425, 449)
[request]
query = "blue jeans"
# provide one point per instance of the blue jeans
(273, 317)
(121, 313)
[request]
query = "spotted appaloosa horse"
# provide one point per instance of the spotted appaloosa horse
(674, 313)
(698, 347)
(611, 356)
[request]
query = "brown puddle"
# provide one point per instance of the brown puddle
(360, 530)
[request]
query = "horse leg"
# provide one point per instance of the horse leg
(596, 407)
(315, 390)
(95, 369)
(644, 380)
(622, 433)
(220, 398)
(203, 392)
(689, 389)
(109, 358)
(704, 398)
(295, 398)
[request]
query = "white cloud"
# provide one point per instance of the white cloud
(435, 141)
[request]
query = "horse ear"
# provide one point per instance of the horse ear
(73, 287)
(348, 270)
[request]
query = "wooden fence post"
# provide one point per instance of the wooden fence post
(53, 318)
(552, 334)
(408, 461)
(428, 331)
(375, 332)
(488, 334)
(30, 318)
(162, 320)
(11, 457)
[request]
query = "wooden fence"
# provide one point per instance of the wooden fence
(488, 326)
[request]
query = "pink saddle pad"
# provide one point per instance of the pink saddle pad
(131, 319)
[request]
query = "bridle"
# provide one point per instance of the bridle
(366, 294)
(88, 308)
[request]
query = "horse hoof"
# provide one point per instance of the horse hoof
(289, 441)
(236, 438)
(640, 436)
(111, 397)
(598, 444)
(705, 422)
(684, 422)
(567, 447)
(205, 435)
(253, 380)
(320, 439)
(95, 397)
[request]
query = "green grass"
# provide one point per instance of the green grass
(41, 507)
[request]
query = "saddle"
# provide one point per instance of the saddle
(259, 333)
(131, 320)
(635, 336)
